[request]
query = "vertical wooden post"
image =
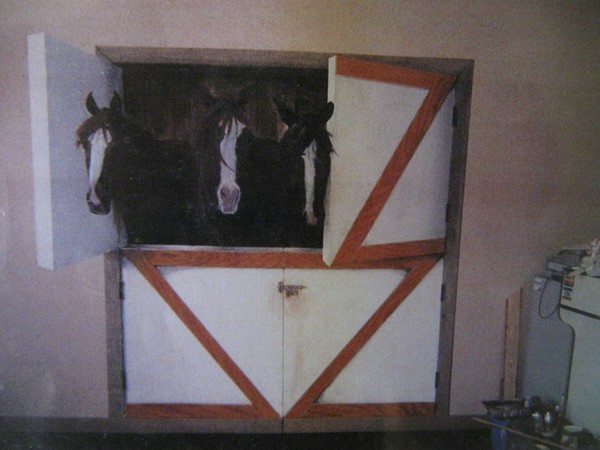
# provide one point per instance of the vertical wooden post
(511, 345)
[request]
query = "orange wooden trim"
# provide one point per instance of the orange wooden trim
(189, 411)
(186, 315)
(370, 410)
(284, 259)
(408, 284)
(394, 169)
(214, 258)
(387, 73)
(401, 250)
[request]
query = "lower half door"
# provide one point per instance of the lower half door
(202, 342)
(361, 343)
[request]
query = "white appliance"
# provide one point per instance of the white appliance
(546, 344)
(580, 308)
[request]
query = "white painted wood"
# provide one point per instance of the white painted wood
(369, 121)
(60, 77)
(583, 401)
(324, 316)
(241, 308)
(416, 209)
(399, 362)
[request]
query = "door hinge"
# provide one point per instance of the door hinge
(121, 290)
(124, 380)
(447, 218)
(454, 116)
(443, 293)
(437, 379)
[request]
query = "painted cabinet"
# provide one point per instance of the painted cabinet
(255, 342)
(361, 328)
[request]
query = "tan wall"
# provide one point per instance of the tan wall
(533, 170)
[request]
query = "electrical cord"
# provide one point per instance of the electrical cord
(541, 300)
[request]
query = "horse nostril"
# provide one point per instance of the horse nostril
(230, 193)
(98, 208)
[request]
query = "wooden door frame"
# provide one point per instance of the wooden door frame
(462, 70)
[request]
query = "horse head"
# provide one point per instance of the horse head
(308, 140)
(220, 130)
(254, 113)
(95, 136)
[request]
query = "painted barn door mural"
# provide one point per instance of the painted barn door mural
(349, 331)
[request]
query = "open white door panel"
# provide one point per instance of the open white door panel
(60, 77)
(392, 132)
(416, 208)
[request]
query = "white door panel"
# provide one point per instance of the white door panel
(416, 209)
(398, 364)
(242, 310)
(382, 121)
(324, 316)
(60, 77)
(369, 121)
(164, 362)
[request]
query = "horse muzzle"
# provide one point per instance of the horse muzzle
(229, 198)
(97, 207)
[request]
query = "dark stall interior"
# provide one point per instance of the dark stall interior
(171, 101)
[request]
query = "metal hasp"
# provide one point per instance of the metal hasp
(290, 290)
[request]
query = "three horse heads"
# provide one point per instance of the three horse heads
(249, 179)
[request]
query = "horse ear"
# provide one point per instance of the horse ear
(327, 112)
(116, 104)
(90, 104)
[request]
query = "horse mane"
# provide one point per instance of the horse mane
(324, 144)
(87, 128)
(120, 125)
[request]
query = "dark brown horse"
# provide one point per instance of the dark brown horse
(241, 160)
(307, 162)
(263, 181)
(152, 185)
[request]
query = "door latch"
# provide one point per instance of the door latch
(290, 289)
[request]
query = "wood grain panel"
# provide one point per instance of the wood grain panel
(155, 278)
(374, 71)
(190, 411)
(408, 284)
(370, 410)
(213, 258)
(400, 250)
(395, 256)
